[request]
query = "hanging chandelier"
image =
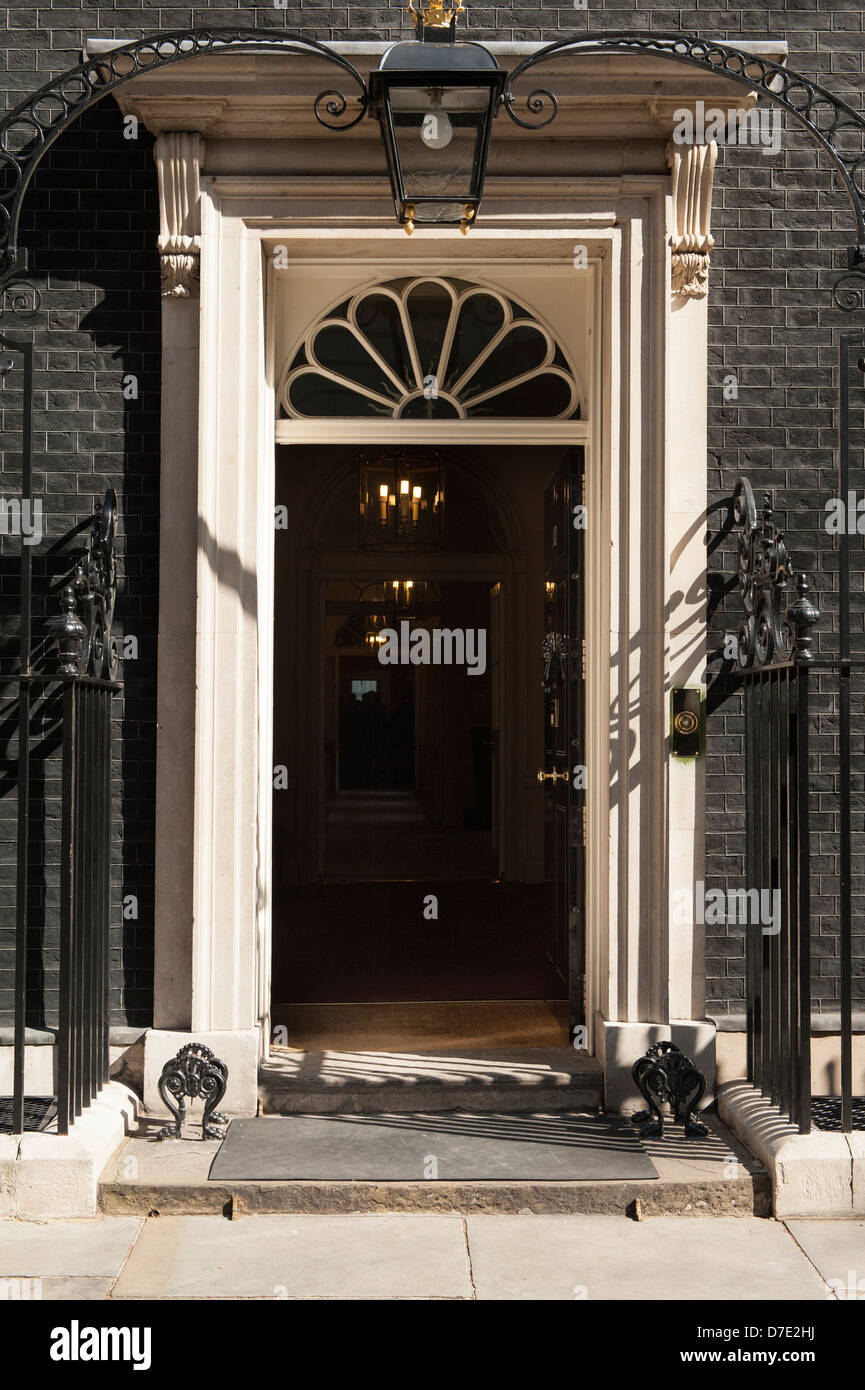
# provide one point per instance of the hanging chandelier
(401, 503)
(392, 600)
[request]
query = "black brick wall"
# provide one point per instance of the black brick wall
(90, 224)
(779, 222)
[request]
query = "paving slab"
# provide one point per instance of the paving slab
(63, 1288)
(599, 1257)
(837, 1248)
(303, 1257)
(36, 1250)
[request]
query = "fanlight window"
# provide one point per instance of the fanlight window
(430, 349)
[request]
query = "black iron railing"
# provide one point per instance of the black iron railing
(777, 868)
(851, 348)
(789, 800)
(87, 655)
(83, 1060)
(85, 817)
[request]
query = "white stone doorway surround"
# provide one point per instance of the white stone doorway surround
(642, 348)
(644, 622)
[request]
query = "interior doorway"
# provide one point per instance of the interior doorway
(411, 747)
(411, 870)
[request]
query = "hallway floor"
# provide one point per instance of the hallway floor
(424, 1026)
(372, 835)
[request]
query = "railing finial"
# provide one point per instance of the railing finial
(801, 618)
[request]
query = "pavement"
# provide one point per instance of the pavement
(425, 1257)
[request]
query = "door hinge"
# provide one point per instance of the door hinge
(583, 825)
(583, 651)
(583, 489)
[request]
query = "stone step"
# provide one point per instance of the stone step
(746, 1196)
(524, 1079)
(713, 1176)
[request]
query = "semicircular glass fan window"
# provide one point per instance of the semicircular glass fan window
(430, 348)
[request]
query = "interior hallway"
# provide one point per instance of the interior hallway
(374, 835)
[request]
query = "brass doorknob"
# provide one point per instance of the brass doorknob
(553, 776)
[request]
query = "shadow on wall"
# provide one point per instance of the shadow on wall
(90, 222)
(700, 595)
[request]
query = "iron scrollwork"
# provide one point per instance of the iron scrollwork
(20, 298)
(665, 1076)
(764, 574)
(554, 653)
(32, 127)
(335, 104)
(848, 291)
(195, 1073)
(827, 118)
(775, 630)
(536, 102)
(82, 630)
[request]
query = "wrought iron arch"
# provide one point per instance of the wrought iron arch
(822, 114)
(41, 118)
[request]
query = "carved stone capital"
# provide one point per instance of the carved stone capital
(690, 274)
(179, 155)
(180, 275)
(692, 174)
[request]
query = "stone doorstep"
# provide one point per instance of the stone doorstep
(749, 1196)
(421, 1100)
(171, 1179)
(515, 1079)
(43, 1175)
(821, 1174)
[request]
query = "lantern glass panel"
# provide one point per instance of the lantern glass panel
(440, 137)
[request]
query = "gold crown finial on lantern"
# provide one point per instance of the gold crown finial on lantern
(435, 14)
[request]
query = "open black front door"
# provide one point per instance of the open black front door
(564, 773)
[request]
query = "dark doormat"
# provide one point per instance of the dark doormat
(39, 1113)
(448, 1146)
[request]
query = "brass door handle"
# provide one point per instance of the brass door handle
(553, 776)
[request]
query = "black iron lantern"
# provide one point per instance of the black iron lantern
(435, 100)
(402, 501)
